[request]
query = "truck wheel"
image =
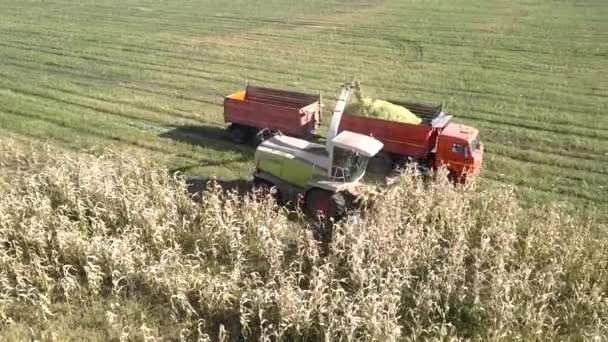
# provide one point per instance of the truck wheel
(456, 178)
(238, 133)
(261, 136)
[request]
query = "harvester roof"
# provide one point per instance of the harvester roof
(305, 150)
(363, 144)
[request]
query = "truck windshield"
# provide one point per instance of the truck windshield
(475, 144)
(348, 166)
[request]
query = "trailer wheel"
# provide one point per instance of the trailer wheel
(238, 133)
(323, 206)
(261, 136)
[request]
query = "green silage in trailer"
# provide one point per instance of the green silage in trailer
(367, 106)
(383, 110)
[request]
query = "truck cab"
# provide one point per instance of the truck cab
(460, 150)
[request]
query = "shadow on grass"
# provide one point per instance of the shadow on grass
(209, 137)
(199, 184)
(213, 137)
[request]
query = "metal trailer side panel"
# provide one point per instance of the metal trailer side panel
(278, 96)
(262, 115)
(400, 138)
(292, 113)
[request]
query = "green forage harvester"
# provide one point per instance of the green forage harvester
(366, 106)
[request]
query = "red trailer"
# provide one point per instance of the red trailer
(433, 142)
(257, 110)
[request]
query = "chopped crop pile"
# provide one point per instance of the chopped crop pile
(380, 109)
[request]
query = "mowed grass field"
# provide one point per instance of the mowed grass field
(150, 75)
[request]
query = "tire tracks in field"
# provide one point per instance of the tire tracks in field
(176, 70)
(530, 100)
(135, 48)
(513, 137)
(102, 104)
(563, 129)
(518, 160)
(62, 69)
(546, 149)
(107, 61)
(585, 174)
(556, 183)
(45, 96)
(159, 67)
(234, 65)
(417, 45)
(525, 125)
(494, 122)
(590, 176)
(195, 73)
(140, 107)
(525, 186)
(173, 70)
(133, 105)
(204, 70)
(133, 23)
(319, 24)
(138, 143)
(111, 62)
(89, 12)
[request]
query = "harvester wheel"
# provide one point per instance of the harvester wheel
(238, 133)
(323, 206)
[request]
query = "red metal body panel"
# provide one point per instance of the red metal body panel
(434, 134)
(289, 112)
(400, 138)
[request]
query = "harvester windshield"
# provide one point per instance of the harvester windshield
(348, 166)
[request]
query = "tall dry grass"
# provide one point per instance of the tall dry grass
(427, 261)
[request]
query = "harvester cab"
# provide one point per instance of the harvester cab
(322, 178)
(348, 151)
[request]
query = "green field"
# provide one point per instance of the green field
(531, 75)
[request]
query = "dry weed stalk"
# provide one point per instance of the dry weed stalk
(432, 261)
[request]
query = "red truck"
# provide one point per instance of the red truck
(434, 142)
(256, 111)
